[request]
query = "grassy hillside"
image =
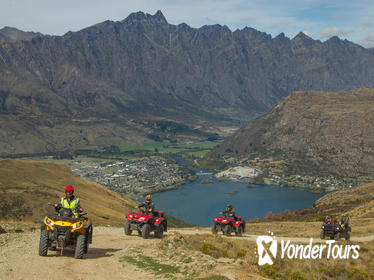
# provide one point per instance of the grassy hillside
(309, 133)
(26, 186)
(357, 202)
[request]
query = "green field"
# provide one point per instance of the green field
(196, 149)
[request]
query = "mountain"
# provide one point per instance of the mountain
(103, 84)
(312, 133)
(11, 34)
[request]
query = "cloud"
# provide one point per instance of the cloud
(368, 41)
(332, 31)
(365, 24)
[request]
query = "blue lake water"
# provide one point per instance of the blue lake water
(199, 203)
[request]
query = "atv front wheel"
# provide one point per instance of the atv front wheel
(239, 232)
(145, 231)
(214, 229)
(43, 243)
(128, 230)
(347, 236)
(80, 247)
(322, 235)
(159, 232)
(227, 230)
(337, 236)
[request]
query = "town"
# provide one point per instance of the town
(133, 176)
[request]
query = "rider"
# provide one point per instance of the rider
(70, 201)
(148, 204)
(229, 212)
(327, 220)
(342, 222)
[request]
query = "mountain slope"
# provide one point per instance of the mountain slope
(144, 68)
(314, 133)
(26, 186)
(11, 34)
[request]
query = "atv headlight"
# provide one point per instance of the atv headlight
(49, 222)
(130, 216)
(224, 221)
(323, 226)
(141, 218)
(77, 225)
(337, 228)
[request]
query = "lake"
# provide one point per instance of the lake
(199, 203)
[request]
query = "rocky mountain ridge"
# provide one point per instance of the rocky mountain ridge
(144, 68)
(11, 35)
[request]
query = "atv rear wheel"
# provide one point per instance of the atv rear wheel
(227, 230)
(145, 231)
(322, 235)
(337, 236)
(128, 230)
(80, 247)
(159, 232)
(214, 229)
(43, 243)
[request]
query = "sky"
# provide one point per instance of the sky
(320, 19)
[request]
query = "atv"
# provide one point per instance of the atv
(336, 228)
(144, 223)
(228, 225)
(63, 230)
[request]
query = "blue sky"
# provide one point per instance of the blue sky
(320, 19)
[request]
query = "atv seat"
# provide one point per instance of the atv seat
(238, 218)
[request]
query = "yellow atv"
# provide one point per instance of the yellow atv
(62, 230)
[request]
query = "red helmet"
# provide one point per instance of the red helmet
(69, 191)
(148, 197)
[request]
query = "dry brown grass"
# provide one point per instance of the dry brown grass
(357, 202)
(360, 227)
(26, 186)
(244, 265)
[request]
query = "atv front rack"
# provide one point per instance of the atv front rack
(67, 219)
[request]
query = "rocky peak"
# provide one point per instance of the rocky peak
(281, 38)
(160, 17)
(301, 37)
(140, 17)
(253, 34)
(334, 40)
(302, 41)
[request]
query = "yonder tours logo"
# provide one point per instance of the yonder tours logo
(267, 250)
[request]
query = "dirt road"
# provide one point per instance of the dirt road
(19, 257)
(252, 237)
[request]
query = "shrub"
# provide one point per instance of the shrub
(241, 253)
(211, 250)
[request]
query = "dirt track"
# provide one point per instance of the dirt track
(19, 258)
(252, 237)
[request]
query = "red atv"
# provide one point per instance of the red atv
(146, 223)
(228, 225)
